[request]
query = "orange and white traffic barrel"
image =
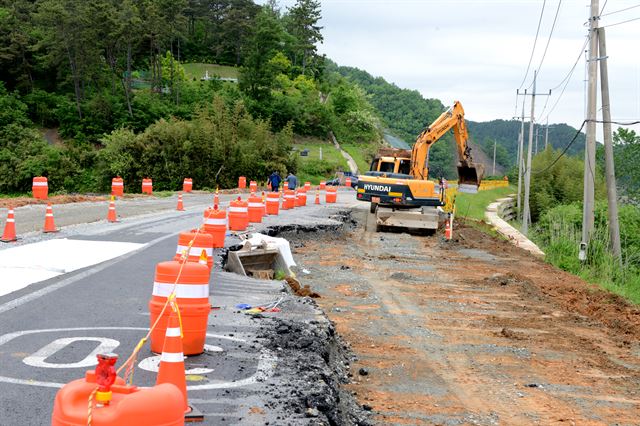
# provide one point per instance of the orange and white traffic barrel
(187, 185)
(117, 187)
(238, 215)
(190, 281)
(331, 195)
(200, 241)
(289, 199)
(147, 186)
(347, 182)
(253, 186)
(242, 182)
(40, 188)
(255, 209)
(273, 201)
(323, 185)
(301, 198)
(115, 403)
(215, 224)
(307, 186)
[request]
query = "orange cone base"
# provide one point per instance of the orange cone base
(193, 415)
(50, 231)
(9, 240)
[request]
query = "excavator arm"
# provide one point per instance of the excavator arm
(469, 174)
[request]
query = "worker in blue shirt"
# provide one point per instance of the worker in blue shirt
(274, 181)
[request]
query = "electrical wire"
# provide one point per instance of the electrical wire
(619, 123)
(565, 81)
(619, 23)
(553, 26)
(617, 11)
(564, 151)
(535, 41)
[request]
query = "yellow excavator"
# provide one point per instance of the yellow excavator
(397, 184)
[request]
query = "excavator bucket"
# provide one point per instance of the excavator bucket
(469, 177)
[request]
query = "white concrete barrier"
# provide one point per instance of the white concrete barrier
(502, 227)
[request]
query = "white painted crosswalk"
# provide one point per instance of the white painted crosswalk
(32, 263)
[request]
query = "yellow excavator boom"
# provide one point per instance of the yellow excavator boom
(469, 174)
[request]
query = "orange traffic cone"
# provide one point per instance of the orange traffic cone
(111, 216)
(317, 201)
(180, 207)
(216, 200)
(9, 228)
(172, 364)
(448, 232)
(49, 225)
(204, 259)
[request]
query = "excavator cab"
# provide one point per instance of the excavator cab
(469, 177)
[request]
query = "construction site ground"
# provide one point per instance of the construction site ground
(473, 331)
(407, 329)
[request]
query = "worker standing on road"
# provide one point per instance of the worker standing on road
(292, 181)
(274, 181)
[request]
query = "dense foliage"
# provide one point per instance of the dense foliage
(219, 144)
(405, 113)
(104, 69)
(559, 233)
(558, 183)
(626, 151)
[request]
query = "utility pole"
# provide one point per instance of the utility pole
(494, 157)
(546, 135)
(536, 150)
(612, 196)
(590, 145)
(527, 172)
(520, 156)
(526, 214)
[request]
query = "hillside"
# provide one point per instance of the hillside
(506, 133)
(405, 113)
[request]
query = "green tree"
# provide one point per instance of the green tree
(627, 159)
(257, 75)
(302, 23)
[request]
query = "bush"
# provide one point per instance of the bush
(220, 144)
(559, 234)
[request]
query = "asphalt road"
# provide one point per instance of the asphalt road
(49, 330)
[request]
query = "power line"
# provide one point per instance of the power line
(535, 41)
(553, 26)
(618, 11)
(566, 80)
(564, 151)
(620, 123)
(619, 23)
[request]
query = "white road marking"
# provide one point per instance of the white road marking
(38, 359)
(152, 364)
(267, 360)
(80, 276)
(24, 265)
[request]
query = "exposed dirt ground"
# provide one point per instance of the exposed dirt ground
(474, 331)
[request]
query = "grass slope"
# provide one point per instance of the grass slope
(311, 168)
(473, 206)
(197, 70)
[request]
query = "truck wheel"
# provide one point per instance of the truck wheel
(373, 207)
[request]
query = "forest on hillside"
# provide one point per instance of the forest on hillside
(106, 74)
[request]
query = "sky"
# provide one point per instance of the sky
(477, 51)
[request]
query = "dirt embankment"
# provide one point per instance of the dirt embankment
(474, 331)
